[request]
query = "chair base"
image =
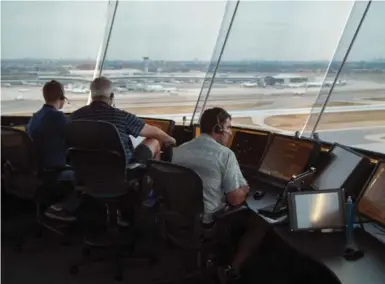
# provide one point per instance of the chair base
(116, 253)
(37, 229)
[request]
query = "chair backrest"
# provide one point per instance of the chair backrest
(93, 135)
(19, 163)
(181, 207)
(96, 153)
(17, 148)
(181, 188)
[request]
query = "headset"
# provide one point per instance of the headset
(62, 97)
(218, 128)
(112, 99)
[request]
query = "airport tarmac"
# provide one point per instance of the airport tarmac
(272, 100)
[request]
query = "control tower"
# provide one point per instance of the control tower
(145, 61)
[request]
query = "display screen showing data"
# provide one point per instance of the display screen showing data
(317, 210)
(249, 148)
(286, 157)
(372, 203)
(341, 165)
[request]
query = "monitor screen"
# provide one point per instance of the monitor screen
(162, 124)
(316, 210)
(197, 130)
(372, 202)
(286, 157)
(249, 147)
(342, 162)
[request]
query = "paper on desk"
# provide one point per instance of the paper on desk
(375, 231)
(136, 141)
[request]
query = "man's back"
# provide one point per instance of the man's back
(46, 128)
(126, 123)
(215, 164)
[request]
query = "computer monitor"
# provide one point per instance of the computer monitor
(234, 130)
(340, 167)
(316, 210)
(249, 147)
(197, 130)
(372, 201)
(167, 125)
(286, 156)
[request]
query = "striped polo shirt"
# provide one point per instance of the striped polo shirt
(216, 165)
(126, 123)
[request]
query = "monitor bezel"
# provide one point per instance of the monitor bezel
(171, 126)
(292, 209)
(355, 169)
(362, 193)
(256, 133)
(277, 180)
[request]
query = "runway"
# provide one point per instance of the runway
(264, 103)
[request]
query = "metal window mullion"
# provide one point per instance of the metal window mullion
(217, 63)
(341, 66)
(104, 45)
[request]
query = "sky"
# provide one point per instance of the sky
(188, 30)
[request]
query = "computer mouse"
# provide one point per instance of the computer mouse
(258, 194)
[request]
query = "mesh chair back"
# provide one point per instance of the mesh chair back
(182, 204)
(93, 135)
(97, 155)
(180, 187)
(18, 149)
(19, 163)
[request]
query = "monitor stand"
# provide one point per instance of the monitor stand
(279, 209)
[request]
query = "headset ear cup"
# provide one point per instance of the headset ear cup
(218, 129)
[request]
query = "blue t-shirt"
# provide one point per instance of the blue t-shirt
(46, 128)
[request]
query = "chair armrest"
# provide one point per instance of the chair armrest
(58, 169)
(228, 210)
(135, 166)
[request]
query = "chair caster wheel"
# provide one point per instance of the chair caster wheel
(153, 260)
(65, 242)
(119, 276)
(18, 248)
(39, 233)
(74, 269)
(86, 252)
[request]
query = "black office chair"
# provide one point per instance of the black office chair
(23, 179)
(96, 153)
(180, 211)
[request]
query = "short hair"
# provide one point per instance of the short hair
(212, 117)
(53, 91)
(101, 87)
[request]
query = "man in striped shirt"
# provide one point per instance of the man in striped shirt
(101, 108)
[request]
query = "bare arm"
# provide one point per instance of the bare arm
(234, 184)
(238, 196)
(150, 131)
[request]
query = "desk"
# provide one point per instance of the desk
(327, 249)
(271, 194)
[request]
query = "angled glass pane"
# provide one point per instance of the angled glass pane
(159, 53)
(220, 45)
(45, 40)
(359, 120)
(275, 61)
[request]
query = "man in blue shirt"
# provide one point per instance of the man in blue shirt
(46, 128)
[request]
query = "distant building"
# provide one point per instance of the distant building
(284, 79)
